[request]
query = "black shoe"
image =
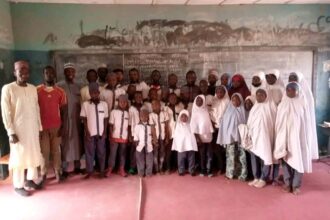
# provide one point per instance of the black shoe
(65, 175)
(181, 174)
(33, 185)
(193, 173)
(22, 192)
(103, 175)
(87, 176)
(77, 171)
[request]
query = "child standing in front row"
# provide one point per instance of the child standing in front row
(229, 137)
(95, 116)
(291, 144)
(143, 140)
(158, 119)
(119, 132)
(202, 127)
(184, 142)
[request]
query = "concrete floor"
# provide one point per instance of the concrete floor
(169, 197)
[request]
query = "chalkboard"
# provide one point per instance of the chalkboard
(245, 62)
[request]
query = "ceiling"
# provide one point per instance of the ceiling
(180, 2)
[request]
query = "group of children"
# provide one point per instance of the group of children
(221, 125)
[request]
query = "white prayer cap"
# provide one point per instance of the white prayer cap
(214, 72)
(260, 74)
(69, 65)
(276, 72)
(103, 65)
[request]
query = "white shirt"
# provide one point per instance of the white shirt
(153, 121)
(178, 108)
(88, 111)
(120, 121)
(141, 87)
(176, 91)
(140, 136)
(134, 117)
(107, 96)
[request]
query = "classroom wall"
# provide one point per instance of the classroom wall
(41, 28)
(6, 61)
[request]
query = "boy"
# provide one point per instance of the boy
(95, 117)
(158, 119)
(110, 93)
(51, 101)
(102, 73)
(91, 76)
(172, 84)
(120, 77)
(212, 79)
(143, 142)
(155, 80)
(119, 133)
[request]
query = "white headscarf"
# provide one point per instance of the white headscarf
(276, 90)
(219, 106)
(261, 126)
(262, 78)
(291, 129)
(309, 99)
(200, 119)
(228, 125)
(183, 138)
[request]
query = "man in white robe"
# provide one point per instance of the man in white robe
(21, 118)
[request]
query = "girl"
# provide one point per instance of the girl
(201, 126)
(261, 125)
(184, 142)
(229, 137)
(238, 85)
(275, 86)
(291, 143)
(307, 95)
(258, 81)
(219, 105)
(225, 80)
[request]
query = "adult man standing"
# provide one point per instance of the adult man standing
(71, 139)
(21, 118)
(51, 100)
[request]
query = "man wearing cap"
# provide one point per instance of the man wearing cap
(21, 118)
(71, 142)
(212, 78)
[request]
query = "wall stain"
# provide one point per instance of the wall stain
(162, 33)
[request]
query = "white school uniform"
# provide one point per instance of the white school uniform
(208, 101)
(155, 119)
(120, 121)
(307, 95)
(88, 111)
(291, 128)
(183, 138)
(134, 117)
(263, 85)
(201, 122)
(276, 91)
(140, 137)
(219, 107)
(148, 105)
(141, 87)
(107, 96)
(173, 117)
(261, 128)
(175, 91)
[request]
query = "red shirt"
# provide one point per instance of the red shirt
(50, 103)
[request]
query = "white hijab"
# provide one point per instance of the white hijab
(276, 90)
(291, 130)
(183, 138)
(228, 125)
(309, 99)
(263, 85)
(261, 126)
(219, 106)
(200, 118)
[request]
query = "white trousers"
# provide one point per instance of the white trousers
(19, 176)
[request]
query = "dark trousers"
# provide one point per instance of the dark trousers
(91, 145)
(219, 153)
(168, 156)
(275, 172)
(292, 178)
(182, 157)
(259, 169)
(115, 148)
(131, 163)
(144, 162)
(206, 156)
(159, 156)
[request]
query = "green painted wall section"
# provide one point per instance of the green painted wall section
(6, 32)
